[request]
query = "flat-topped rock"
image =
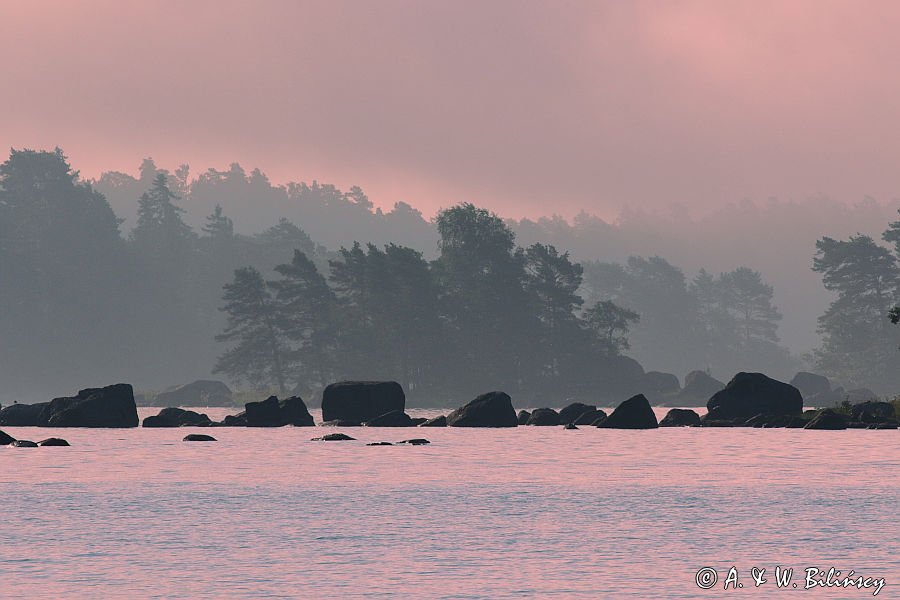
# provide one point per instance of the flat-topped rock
(361, 401)
(751, 394)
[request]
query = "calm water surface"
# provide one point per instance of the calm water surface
(527, 512)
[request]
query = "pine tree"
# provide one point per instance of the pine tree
(160, 228)
(218, 226)
(259, 353)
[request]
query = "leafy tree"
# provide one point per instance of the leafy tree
(610, 324)
(489, 313)
(259, 345)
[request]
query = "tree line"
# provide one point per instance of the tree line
(81, 300)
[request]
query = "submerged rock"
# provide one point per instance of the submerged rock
(493, 409)
(751, 394)
(333, 437)
(361, 401)
(379, 444)
(108, 407)
(198, 437)
(415, 442)
(570, 426)
(827, 419)
(544, 417)
(54, 441)
(177, 417)
(634, 413)
(396, 418)
(440, 421)
(23, 444)
(680, 417)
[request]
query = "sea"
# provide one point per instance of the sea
(529, 512)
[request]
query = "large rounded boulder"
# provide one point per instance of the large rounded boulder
(111, 406)
(634, 413)
(493, 409)
(203, 392)
(361, 401)
(751, 394)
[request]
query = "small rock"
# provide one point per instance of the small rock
(570, 426)
(415, 442)
(590, 417)
(680, 417)
(53, 442)
(573, 411)
(827, 420)
(379, 444)
(23, 444)
(332, 437)
(544, 417)
(198, 437)
(522, 417)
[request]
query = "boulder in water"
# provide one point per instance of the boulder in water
(827, 419)
(590, 417)
(570, 413)
(54, 441)
(6, 439)
(544, 417)
(751, 394)
(198, 437)
(634, 413)
(361, 401)
(493, 409)
(203, 392)
(111, 406)
(23, 444)
(23, 415)
(680, 417)
(272, 412)
(177, 417)
(522, 417)
(396, 418)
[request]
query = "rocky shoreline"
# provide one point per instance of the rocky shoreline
(748, 400)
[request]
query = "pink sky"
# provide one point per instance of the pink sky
(526, 107)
